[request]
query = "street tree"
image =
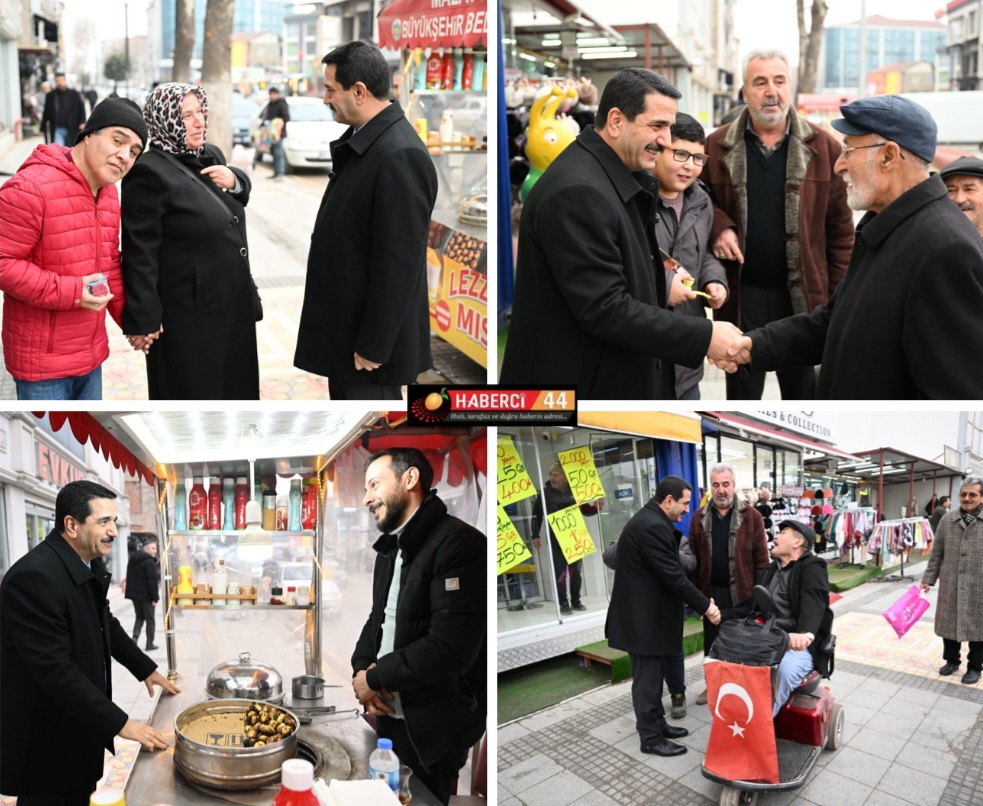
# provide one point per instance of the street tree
(184, 40)
(809, 43)
(216, 72)
(114, 67)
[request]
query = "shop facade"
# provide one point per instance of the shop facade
(36, 461)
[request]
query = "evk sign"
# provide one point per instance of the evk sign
(52, 466)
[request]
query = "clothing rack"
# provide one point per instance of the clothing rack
(859, 516)
(918, 525)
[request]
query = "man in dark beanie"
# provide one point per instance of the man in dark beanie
(60, 264)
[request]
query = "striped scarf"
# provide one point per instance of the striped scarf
(969, 517)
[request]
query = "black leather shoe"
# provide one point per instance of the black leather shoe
(578, 606)
(151, 648)
(948, 669)
(565, 609)
(663, 747)
(971, 677)
(673, 732)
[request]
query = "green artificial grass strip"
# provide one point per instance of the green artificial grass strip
(532, 688)
(842, 579)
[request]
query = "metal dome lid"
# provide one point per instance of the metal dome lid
(244, 679)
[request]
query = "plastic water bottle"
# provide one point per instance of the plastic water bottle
(229, 503)
(384, 765)
(296, 784)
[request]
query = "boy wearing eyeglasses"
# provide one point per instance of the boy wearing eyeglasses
(682, 230)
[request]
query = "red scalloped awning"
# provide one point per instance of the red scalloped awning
(433, 23)
(86, 429)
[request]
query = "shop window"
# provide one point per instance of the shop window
(764, 458)
(740, 454)
(38, 527)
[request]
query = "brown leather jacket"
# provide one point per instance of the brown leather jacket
(818, 222)
(748, 549)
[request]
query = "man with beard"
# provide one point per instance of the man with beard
(728, 539)
(419, 663)
(964, 180)
(365, 323)
(781, 221)
(57, 639)
(911, 299)
(957, 557)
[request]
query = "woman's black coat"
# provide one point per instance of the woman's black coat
(56, 638)
(186, 266)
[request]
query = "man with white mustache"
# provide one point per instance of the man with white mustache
(781, 221)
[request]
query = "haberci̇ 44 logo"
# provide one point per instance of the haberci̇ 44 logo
(433, 408)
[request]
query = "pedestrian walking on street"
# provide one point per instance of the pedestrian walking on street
(186, 258)
(57, 640)
(60, 258)
(277, 109)
(645, 616)
(365, 323)
(957, 561)
(792, 252)
(917, 323)
(64, 113)
(143, 589)
(728, 539)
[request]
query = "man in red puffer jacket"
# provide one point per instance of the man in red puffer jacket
(60, 259)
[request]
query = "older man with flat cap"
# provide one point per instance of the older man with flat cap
(799, 585)
(964, 180)
(912, 294)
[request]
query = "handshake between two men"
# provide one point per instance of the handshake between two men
(729, 347)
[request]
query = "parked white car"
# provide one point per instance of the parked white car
(310, 131)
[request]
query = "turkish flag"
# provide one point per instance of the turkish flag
(742, 733)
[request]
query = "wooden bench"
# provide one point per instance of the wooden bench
(619, 661)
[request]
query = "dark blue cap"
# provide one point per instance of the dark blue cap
(895, 118)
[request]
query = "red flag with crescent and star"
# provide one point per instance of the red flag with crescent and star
(742, 733)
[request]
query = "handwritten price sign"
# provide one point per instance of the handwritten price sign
(511, 549)
(571, 533)
(578, 465)
(514, 483)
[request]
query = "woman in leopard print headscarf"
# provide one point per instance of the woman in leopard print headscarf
(190, 299)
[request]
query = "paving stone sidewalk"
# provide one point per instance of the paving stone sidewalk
(911, 736)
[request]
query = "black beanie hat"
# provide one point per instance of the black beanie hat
(116, 112)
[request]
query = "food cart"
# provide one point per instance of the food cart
(443, 90)
(205, 631)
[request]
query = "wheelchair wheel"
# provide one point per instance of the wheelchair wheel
(735, 797)
(834, 738)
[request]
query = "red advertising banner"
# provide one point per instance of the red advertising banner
(433, 23)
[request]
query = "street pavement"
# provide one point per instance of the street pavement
(911, 736)
(280, 220)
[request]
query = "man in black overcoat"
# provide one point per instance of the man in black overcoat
(57, 636)
(645, 617)
(64, 113)
(365, 323)
(143, 589)
(419, 666)
(590, 303)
